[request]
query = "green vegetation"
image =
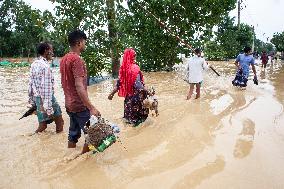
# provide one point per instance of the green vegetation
(278, 41)
(230, 41)
(21, 28)
(191, 20)
(111, 27)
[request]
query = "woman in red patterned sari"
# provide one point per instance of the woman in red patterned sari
(131, 86)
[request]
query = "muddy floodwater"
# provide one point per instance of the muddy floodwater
(229, 138)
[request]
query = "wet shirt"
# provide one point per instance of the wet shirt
(245, 61)
(41, 84)
(71, 67)
(195, 66)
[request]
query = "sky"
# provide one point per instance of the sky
(267, 16)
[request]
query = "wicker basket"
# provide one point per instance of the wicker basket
(98, 132)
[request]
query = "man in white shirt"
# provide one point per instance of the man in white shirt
(194, 67)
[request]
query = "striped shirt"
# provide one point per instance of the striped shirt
(41, 84)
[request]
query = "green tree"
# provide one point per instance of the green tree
(213, 51)
(29, 27)
(262, 46)
(92, 17)
(278, 41)
(190, 20)
(6, 22)
(21, 28)
(112, 29)
(227, 38)
(229, 41)
(245, 36)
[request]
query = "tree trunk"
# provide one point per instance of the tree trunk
(113, 37)
(29, 51)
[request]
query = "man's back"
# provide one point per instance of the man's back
(72, 66)
(41, 81)
(195, 66)
(245, 61)
(39, 72)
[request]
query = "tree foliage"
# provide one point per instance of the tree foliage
(263, 46)
(92, 17)
(21, 27)
(278, 41)
(191, 20)
(230, 40)
(112, 26)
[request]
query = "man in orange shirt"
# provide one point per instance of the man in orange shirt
(74, 83)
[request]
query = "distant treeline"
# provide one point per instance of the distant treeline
(111, 27)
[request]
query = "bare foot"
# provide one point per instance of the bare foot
(59, 131)
(59, 123)
(41, 127)
(85, 149)
(59, 128)
(71, 144)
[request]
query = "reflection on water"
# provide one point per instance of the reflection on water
(220, 104)
(191, 144)
(197, 176)
(245, 143)
(262, 74)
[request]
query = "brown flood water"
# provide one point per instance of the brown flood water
(230, 138)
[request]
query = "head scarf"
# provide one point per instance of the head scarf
(128, 73)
